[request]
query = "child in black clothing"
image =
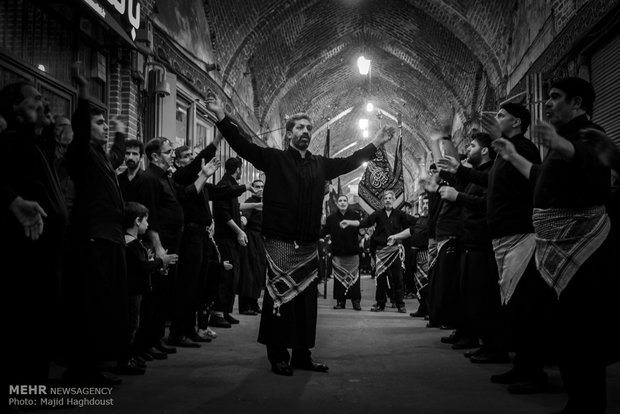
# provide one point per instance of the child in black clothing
(140, 266)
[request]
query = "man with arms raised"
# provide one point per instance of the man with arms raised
(292, 205)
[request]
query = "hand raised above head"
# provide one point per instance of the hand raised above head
(490, 125)
(383, 135)
(215, 105)
(448, 163)
(211, 167)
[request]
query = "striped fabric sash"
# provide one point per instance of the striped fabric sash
(346, 270)
(421, 271)
(290, 269)
(512, 254)
(386, 256)
(565, 239)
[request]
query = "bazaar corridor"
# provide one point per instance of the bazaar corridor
(379, 363)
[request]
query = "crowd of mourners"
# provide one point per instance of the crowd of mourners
(512, 251)
(106, 261)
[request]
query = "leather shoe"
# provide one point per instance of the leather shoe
(155, 354)
(377, 308)
(219, 322)
(282, 368)
(129, 368)
(357, 306)
(402, 309)
(310, 366)
(230, 319)
(490, 358)
(469, 354)
(453, 338)
(139, 361)
(145, 356)
(339, 305)
(250, 312)
(199, 338)
(165, 349)
(417, 314)
(466, 343)
(182, 341)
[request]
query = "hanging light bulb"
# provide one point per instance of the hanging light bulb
(365, 133)
(369, 107)
(363, 122)
(363, 65)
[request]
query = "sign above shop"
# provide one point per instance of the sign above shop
(126, 12)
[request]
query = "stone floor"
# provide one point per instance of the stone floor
(379, 363)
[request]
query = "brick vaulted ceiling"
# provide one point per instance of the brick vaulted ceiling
(429, 58)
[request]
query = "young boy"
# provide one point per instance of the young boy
(139, 269)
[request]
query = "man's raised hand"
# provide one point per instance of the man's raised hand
(448, 163)
(505, 148)
(215, 105)
(383, 135)
(208, 169)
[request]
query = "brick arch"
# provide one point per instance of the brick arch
(253, 22)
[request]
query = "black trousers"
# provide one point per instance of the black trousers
(394, 275)
(529, 314)
(480, 302)
(229, 279)
(162, 292)
(192, 269)
(584, 325)
(97, 305)
(444, 286)
(31, 286)
(354, 293)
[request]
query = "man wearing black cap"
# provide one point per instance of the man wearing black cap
(573, 247)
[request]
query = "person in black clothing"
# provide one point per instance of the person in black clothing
(159, 193)
(140, 267)
(292, 207)
(194, 275)
(526, 299)
(230, 239)
(389, 259)
(573, 244)
(128, 179)
(252, 280)
(418, 234)
(33, 221)
(480, 303)
(96, 286)
(345, 246)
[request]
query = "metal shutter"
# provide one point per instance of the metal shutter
(605, 67)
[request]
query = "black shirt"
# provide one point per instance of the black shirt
(226, 210)
(254, 216)
(581, 182)
(344, 241)
(98, 209)
(294, 186)
(158, 193)
(196, 209)
(419, 233)
(473, 201)
(139, 268)
(509, 197)
(386, 225)
(128, 187)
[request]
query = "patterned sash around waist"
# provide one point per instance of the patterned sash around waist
(386, 256)
(512, 254)
(421, 271)
(346, 270)
(290, 269)
(565, 239)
